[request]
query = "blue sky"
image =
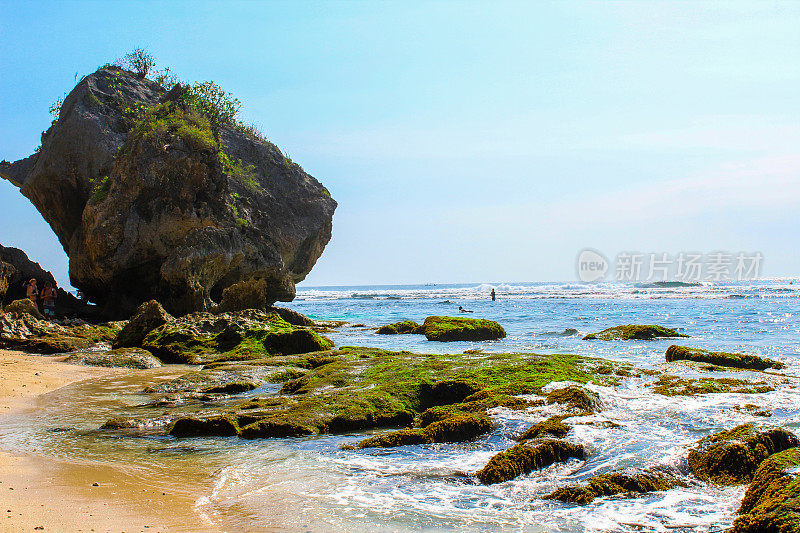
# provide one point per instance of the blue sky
(471, 141)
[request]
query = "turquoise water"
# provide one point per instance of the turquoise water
(311, 484)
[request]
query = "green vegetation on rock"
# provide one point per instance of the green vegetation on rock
(632, 331)
(732, 456)
(446, 329)
(524, 458)
(772, 500)
(733, 360)
(406, 326)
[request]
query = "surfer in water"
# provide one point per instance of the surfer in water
(494, 296)
(462, 310)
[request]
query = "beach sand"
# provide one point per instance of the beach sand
(45, 494)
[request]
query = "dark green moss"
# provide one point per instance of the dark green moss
(731, 457)
(648, 480)
(268, 428)
(447, 329)
(633, 331)
(524, 458)
(221, 426)
(732, 360)
(456, 428)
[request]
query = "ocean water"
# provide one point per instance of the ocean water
(311, 484)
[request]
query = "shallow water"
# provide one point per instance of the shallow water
(311, 484)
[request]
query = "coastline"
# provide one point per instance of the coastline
(60, 495)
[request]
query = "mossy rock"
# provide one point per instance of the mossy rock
(576, 399)
(668, 385)
(648, 480)
(235, 387)
(448, 329)
(47, 345)
(24, 305)
(121, 358)
(398, 328)
(731, 360)
(523, 458)
(148, 317)
(458, 427)
(633, 331)
(731, 457)
(267, 428)
(446, 392)
(772, 500)
(552, 427)
(198, 337)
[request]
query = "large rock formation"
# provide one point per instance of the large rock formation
(152, 201)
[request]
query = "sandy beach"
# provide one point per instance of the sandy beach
(44, 494)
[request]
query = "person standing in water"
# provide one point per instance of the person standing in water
(494, 296)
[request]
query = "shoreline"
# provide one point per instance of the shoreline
(65, 496)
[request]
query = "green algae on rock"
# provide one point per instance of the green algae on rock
(525, 457)
(576, 399)
(733, 360)
(399, 328)
(732, 456)
(647, 480)
(455, 428)
(447, 329)
(772, 500)
(148, 317)
(633, 331)
(668, 385)
(120, 358)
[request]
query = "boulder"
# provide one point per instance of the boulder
(576, 398)
(633, 331)
(447, 329)
(153, 200)
(148, 317)
(772, 500)
(731, 457)
(732, 360)
(399, 328)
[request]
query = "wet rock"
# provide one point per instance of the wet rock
(448, 329)
(732, 360)
(7, 272)
(148, 317)
(525, 457)
(648, 480)
(772, 500)
(731, 457)
(121, 358)
(292, 317)
(166, 203)
(552, 427)
(235, 387)
(576, 399)
(632, 331)
(398, 328)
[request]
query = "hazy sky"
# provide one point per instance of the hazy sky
(468, 142)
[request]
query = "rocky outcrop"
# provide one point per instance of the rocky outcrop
(148, 317)
(731, 457)
(772, 500)
(634, 331)
(399, 328)
(150, 201)
(20, 329)
(732, 360)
